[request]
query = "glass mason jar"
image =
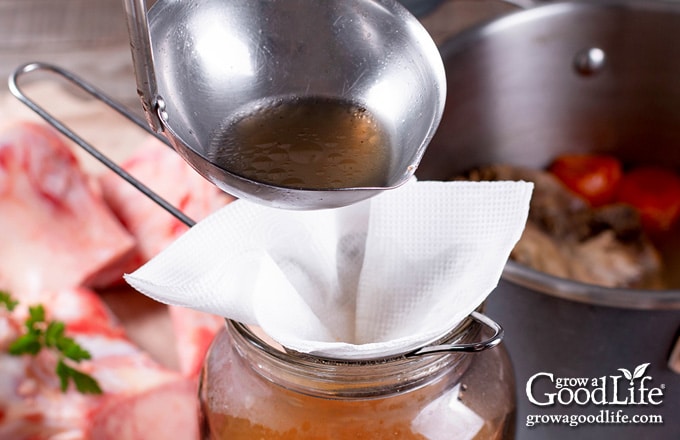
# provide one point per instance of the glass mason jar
(250, 389)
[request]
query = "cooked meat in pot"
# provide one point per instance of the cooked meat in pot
(567, 238)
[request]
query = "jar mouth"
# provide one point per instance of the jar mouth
(459, 339)
(332, 378)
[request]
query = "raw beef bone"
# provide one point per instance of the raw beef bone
(167, 174)
(56, 231)
(141, 399)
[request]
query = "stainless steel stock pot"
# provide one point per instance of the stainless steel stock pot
(598, 76)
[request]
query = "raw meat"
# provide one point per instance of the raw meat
(60, 235)
(166, 173)
(141, 400)
(194, 332)
(56, 231)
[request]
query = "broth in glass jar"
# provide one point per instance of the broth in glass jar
(251, 389)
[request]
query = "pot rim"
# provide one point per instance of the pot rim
(640, 299)
(543, 10)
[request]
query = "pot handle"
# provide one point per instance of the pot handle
(15, 89)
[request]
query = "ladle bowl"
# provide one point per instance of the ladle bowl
(200, 64)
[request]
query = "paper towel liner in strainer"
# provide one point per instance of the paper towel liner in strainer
(437, 348)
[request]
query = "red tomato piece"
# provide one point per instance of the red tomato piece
(655, 192)
(594, 177)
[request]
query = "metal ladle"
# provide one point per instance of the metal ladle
(210, 59)
(201, 63)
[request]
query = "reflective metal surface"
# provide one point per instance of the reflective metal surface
(518, 96)
(473, 347)
(211, 60)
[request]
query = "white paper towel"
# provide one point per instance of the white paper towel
(380, 277)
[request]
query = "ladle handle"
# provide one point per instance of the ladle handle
(98, 94)
(142, 60)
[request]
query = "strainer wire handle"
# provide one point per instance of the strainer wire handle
(473, 347)
(98, 94)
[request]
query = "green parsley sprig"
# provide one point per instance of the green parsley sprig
(40, 334)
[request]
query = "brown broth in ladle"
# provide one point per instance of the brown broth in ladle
(306, 143)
